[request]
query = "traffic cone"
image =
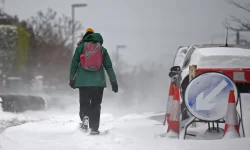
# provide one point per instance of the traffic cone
(231, 129)
(169, 102)
(174, 121)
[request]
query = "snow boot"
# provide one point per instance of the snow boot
(85, 123)
(94, 132)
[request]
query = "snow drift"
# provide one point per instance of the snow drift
(59, 131)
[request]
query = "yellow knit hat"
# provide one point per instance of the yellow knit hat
(90, 30)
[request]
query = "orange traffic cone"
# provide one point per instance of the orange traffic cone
(169, 102)
(231, 129)
(174, 121)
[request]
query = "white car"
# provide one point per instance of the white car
(215, 56)
(212, 56)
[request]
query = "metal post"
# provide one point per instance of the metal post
(117, 55)
(237, 37)
(73, 27)
(73, 22)
(117, 52)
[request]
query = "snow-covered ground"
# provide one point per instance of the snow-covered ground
(57, 130)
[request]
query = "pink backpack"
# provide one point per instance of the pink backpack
(91, 58)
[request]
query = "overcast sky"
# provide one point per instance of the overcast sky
(150, 28)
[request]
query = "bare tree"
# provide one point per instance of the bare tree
(51, 51)
(48, 27)
(240, 24)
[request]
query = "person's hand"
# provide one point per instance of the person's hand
(72, 84)
(114, 86)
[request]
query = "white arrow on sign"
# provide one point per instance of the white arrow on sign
(205, 103)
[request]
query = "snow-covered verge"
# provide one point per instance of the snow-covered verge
(59, 131)
(8, 119)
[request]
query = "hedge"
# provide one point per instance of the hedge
(14, 48)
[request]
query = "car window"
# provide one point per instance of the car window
(184, 51)
(185, 64)
(180, 56)
(188, 57)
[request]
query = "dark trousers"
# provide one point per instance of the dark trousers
(90, 105)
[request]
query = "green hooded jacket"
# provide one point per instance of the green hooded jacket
(89, 78)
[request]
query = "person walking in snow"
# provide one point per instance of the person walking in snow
(87, 74)
(88, 32)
